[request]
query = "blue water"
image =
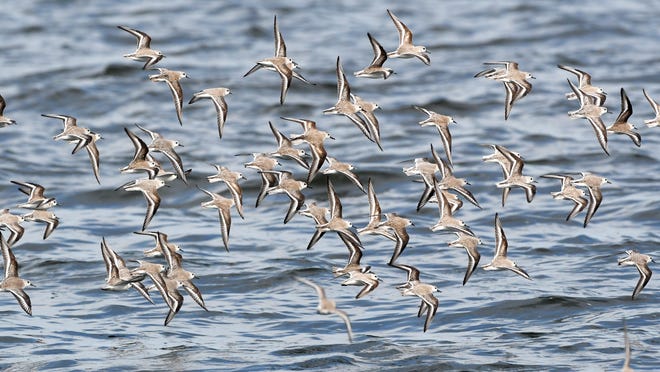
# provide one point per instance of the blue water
(66, 57)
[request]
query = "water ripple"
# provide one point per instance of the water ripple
(571, 314)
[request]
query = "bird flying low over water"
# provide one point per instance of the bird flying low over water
(327, 306)
(515, 82)
(641, 262)
(406, 49)
(143, 51)
(280, 63)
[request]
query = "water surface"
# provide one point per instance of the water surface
(66, 57)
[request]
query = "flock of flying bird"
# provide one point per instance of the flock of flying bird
(447, 190)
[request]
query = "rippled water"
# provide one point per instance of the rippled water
(66, 57)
